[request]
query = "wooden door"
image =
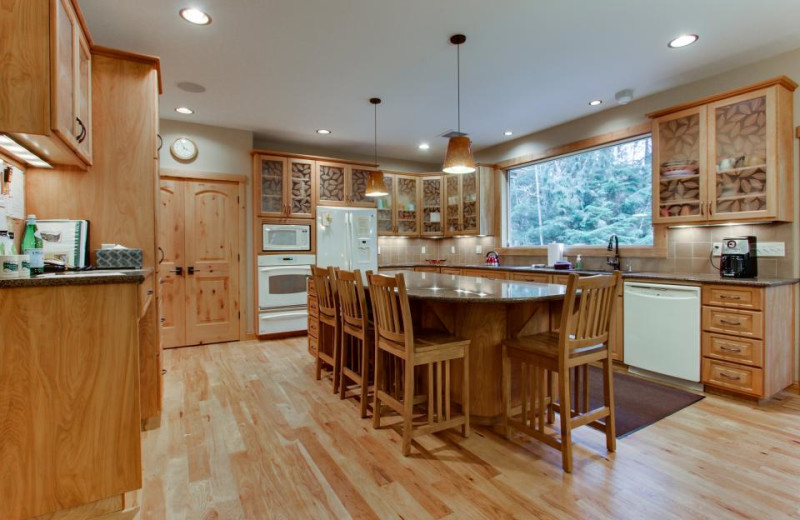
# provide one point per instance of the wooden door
(406, 201)
(452, 193)
(386, 208)
(357, 187)
(432, 207)
(212, 273)
(64, 120)
(83, 97)
(172, 262)
(300, 196)
(331, 182)
(199, 274)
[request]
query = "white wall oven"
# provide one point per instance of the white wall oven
(282, 299)
(285, 237)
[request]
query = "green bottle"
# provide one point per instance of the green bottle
(33, 245)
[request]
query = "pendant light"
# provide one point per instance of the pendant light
(459, 158)
(375, 184)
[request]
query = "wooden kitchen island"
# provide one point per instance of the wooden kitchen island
(485, 311)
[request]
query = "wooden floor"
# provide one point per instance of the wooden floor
(249, 434)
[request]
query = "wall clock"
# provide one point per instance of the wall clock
(183, 149)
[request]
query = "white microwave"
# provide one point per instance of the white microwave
(286, 237)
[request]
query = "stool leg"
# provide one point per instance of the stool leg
(608, 400)
(465, 394)
(343, 360)
(566, 419)
(376, 402)
(365, 357)
(408, 405)
(337, 368)
(506, 379)
(551, 416)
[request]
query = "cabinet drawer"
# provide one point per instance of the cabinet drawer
(313, 306)
(450, 270)
(738, 323)
(732, 348)
(727, 296)
(486, 273)
(426, 269)
(531, 277)
(313, 343)
(560, 279)
(313, 326)
(738, 378)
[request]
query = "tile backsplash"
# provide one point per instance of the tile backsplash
(688, 251)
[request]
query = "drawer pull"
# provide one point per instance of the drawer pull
(729, 349)
(726, 322)
(723, 297)
(728, 376)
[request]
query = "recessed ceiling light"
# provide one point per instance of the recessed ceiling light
(184, 110)
(508, 132)
(596, 102)
(683, 40)
(424, 146)
(323, 131)
(195, 16)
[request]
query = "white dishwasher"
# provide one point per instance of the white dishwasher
(662, 329)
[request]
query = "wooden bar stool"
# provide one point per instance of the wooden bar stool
(329, 340)
(358, 336)
(582, 339)
(395, 339)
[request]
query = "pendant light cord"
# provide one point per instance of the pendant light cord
(376, 135)
(458, 85)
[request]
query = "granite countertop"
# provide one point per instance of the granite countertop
(469, 289)
(93, 277)
(672, 277)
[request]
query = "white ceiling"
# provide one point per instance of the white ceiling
(284, 68)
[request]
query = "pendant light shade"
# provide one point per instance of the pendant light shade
(458, 159)
(375, 185)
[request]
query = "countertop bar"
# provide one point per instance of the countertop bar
(95, 277)
(469, 289)
(666, 277)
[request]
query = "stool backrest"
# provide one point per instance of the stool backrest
(352, 299)
(588, 307)
(325, 285)
(391, 311)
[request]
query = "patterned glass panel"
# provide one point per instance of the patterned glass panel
(432, 205)
(301, 188)
(271, 186)
(679, 171)
(331, 183)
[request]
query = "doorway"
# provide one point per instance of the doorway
(199, 266)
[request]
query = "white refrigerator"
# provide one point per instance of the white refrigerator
(347, 238)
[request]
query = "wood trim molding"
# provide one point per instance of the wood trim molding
(591, 142)
(203, 175)
(798, 132)
(154, 61)
(82, 22)
(312, 158)
(780, 80)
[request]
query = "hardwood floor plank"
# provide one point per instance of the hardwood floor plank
(249, 434)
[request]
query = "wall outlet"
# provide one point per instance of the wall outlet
(716, 249)
(771, 249)
(478, 250)
(379, 249)
(452, 250)
(424, 250)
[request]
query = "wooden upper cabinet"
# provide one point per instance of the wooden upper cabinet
(285, 186)
(407, 191)
(468, 203)
(432, 206)
(386, 208)
(46, 102)
(727, 158)
(342, 185)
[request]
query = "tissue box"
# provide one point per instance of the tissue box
(119, 258)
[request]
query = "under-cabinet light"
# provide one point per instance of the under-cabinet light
(19, 152)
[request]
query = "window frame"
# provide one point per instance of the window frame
(657, 250)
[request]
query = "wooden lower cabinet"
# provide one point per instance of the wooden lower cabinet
(426, 269)
(450, 270)
(748, 338)
(485, 273)
(69, 381)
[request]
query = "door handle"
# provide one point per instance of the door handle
(178, 270)
(190, 270)
(82, 135)
(163, 255)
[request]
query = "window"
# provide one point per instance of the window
(583, 198)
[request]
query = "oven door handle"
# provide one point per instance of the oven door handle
(300, 269)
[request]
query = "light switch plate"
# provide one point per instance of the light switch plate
(452, 250)
(424, 250)
(379, 249)
(478, 250)
(716, 249)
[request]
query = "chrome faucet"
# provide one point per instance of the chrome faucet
(613, 246)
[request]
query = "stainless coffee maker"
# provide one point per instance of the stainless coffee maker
(739, 258)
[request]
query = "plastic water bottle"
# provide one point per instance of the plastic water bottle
(33, 245)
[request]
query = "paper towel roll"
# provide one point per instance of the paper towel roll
(555, 252)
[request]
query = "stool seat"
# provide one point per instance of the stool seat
(545, 344)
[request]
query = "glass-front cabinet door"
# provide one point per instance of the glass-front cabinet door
(470, 210)
(357, 187)
(386, 207)
(432, 207)
(331, 182)
(301, 195)
(679, 167)
(407, 212)
(272, 183)
(742, 151)
(452, 198)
